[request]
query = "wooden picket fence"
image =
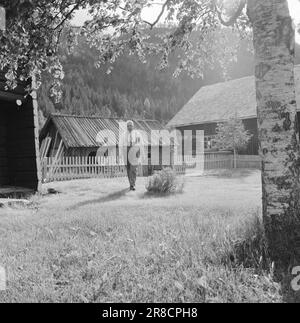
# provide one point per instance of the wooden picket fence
(222, 160)
(72, 168)
(250, 162)
(210, 161)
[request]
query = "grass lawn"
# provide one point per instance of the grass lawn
(98, 242)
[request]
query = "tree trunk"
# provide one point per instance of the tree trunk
(274, 44)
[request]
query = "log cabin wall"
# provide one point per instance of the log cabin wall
(23, 146)
(210, 130)
(4, 178)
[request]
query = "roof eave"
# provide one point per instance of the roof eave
(179, 125)
(43, 131)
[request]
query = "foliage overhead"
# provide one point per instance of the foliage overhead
(36, 28)
(134, 89)
(30, 44)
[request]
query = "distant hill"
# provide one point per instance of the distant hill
(133, 89)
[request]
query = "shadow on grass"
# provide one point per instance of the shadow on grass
(151, 195)
(251, 252)
(109, 198)
(249, 248)
(290, 296)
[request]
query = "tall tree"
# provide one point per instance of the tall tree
(274, 44)
(119, 26)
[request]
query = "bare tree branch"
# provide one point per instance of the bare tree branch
(234, 18)
(163, 9)
(68, 15)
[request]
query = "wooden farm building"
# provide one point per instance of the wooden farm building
(218, 103)
(19, 142)
(76, 136)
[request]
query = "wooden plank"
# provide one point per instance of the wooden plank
(45, 147)
(54, 163)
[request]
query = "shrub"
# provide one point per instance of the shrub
(164, 182)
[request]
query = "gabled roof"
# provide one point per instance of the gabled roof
(220, 102)
(83, 132)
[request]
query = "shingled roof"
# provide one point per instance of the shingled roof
(82, 132)
(219, 102)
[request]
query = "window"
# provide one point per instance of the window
(209, 142)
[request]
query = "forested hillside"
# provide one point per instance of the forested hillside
(133, 89)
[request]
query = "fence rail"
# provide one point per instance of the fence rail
(222, 161)
(72, 168)
(252, 162)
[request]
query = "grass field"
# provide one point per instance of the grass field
(97, 242)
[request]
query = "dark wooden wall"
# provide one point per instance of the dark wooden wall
(253, 146)
(210, 130)
(20, 147)
(4, 178)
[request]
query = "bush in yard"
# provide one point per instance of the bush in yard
(164, 182)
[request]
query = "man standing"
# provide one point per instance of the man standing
(132, 153)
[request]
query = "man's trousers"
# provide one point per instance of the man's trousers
(132, 174)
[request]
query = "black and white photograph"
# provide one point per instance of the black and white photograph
(149, 155)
